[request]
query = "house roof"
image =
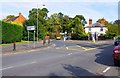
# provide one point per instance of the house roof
(97, 24)
(12, 19)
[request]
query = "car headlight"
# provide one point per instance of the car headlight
(117, 51)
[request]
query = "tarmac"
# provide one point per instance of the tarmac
(39, 45)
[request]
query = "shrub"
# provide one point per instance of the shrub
(11, 32)
(105, 36)
(52, 35)
(79, 36)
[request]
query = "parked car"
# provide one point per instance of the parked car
(116, 55)
(117, 41)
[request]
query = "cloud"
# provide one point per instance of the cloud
(88, 9)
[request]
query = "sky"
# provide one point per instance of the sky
(88, 8)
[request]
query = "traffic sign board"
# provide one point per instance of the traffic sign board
(30, 28)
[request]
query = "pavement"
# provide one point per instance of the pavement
(24, 47)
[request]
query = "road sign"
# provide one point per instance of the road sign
(30, 28)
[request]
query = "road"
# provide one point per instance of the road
(65, 59)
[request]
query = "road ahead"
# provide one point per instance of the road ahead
(66, 59)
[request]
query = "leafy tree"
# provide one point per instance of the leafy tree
(103, 19)
(66, 21)
(111, 29)
(57, 21)
(82, 19)
(38, 18)
(78, 28)
(117, 22)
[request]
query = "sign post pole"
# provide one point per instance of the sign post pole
(34, 38)
(28, 38)
(31, 28)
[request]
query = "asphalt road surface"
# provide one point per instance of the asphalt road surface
(65, 59)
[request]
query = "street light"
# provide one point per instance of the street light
(37, 22)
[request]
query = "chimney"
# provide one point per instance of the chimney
(20, 14)
(90, 21)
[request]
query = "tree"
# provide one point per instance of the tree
(103, 20)
(117, 22)
(82, 19)
(78, 28)
(38, 18)
(66, 21)
(111, 29)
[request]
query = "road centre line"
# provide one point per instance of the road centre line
(108, 68)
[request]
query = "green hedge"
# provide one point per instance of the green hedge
(105, 36)
(11, 32)
(79, 36)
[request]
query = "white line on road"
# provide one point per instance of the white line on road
(7, 68)
(69, 53)
(18, 65)
(58, 47)
(67, 48)
(106, 69)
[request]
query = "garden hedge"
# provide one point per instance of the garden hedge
(11, 32)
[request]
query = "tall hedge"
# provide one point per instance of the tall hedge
(11, 32)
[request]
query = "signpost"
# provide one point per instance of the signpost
(31, 28)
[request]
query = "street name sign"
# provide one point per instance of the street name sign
(30, 28)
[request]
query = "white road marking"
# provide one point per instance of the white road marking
(67, 48)
(106, 69)
(18, 65)
(6, 68)
(57, 47)
(69, 53)
(26, 64)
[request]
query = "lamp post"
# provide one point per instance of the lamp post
(37, 22)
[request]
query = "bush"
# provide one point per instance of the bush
(52, 35)
(11, 32)
(105, 36)
(79, 36)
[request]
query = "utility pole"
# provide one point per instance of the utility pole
(37, 22)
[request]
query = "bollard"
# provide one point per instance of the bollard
(93, 39)
(14, 46)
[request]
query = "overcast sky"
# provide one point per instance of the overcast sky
(89, 9)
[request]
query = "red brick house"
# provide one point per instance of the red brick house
(18, 19)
